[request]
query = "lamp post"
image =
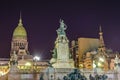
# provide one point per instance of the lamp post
(36, 58)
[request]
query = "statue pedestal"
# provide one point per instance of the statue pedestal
(13, 73)
(55, 73)
(63, 64)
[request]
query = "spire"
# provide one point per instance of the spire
(20, 20)
(101, 43)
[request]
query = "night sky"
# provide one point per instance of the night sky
(41, 20)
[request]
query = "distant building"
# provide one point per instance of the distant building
(19, 46)
(87, 51)
(20, 54)
(81, 47)
(87, 44)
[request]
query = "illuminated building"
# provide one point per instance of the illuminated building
(81, 47)
(89, 50)
(87, 53)
(20, 54)
(19, 46)
(4, 66)
(19, 42)
(101, 57)
(86, 45)
(74, 52)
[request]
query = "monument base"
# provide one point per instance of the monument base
(13, 73)
(63, 64)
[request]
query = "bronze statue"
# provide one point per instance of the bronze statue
(63, 27)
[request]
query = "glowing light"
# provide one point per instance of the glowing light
(1, 73)
(94, 66)
(4, 72)
(28, 64)
(36, 58)
(81, 65)
(101, 59)
(99, 64)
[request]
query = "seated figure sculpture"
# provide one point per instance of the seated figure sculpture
(98, 77)
(75, 75)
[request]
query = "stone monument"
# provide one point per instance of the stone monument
(14, 71)
(61, 54)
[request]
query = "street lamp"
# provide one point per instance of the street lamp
(36, 58)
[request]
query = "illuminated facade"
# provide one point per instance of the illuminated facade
(19, 40)
(4, 66)
(81, 50)
(84, 46)
(19, 54)
(90, 53)
(19, 47)
(101, 57)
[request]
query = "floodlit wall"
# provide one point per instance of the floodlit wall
(87, 44)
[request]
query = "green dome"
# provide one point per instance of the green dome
(20, 30)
